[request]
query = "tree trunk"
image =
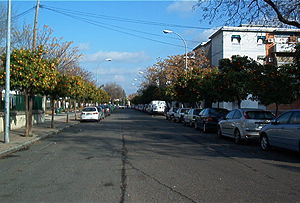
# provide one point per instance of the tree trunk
(52, 112)
(67, 110)
(75, 110)
(28, 110)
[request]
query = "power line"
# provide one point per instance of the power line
(123, 28)
(109, 28)
(130, 20)
(20, 15)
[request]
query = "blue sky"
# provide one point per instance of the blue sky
(127, 47)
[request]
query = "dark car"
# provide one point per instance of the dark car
(208, 119)
(283, 132)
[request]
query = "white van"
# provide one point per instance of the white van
(158, 107)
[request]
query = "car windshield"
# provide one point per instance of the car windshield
(264, 115)
(184, 110)
(89, 109)
(196, 111)
(218, 112)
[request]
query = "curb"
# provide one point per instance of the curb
(30, 142)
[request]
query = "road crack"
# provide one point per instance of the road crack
(123, 170)
(160, 182)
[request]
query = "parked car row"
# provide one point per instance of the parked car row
(154, 107)
(95, 113)
(244, 124)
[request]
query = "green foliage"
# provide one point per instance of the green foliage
(271, 84)
(235, 77)
(29, 71)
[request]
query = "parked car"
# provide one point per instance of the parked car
(101, 112)
(158, 107)
(107, 110)
(208, 119)
(170, 113)
(244, 124)
(178, 116)
(90, 114)
(189, 118)
(283, 132)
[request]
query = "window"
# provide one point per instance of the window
(237, 115)
(235, 39)
(284, 118)
(264, 115)
(230, 115)
(261, 40)
(295, 119)
(202, 112)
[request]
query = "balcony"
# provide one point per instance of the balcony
(284, 48)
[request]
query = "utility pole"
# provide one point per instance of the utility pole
(7, 76)
(35, 24)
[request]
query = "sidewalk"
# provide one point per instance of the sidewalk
(40, 131)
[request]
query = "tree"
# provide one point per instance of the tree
(115, 91)
(252, 11)
(67, 56)
(31, 74)
(235, 77)
(271, 84)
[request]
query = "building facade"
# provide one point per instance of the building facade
(267, 45)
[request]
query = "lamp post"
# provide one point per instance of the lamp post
(97, 72)
(185, 46)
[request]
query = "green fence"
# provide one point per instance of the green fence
(17, 103)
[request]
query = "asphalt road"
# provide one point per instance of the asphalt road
(135, 157)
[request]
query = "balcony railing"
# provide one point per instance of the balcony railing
(286, 48)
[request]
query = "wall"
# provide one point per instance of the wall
(18, 119)
(248, 45)
(216, 49)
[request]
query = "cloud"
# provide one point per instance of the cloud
(84, 46)
(119, 78)
(182, 6)
(128, 57)
(203, 36)
(115, 71)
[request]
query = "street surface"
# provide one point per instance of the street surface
(135, 157)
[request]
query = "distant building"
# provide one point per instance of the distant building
(263, 44)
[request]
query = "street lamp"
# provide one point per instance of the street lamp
(97, 71)
(185, 46)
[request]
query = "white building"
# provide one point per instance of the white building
(263, 44)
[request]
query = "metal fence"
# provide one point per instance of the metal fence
(17, 103)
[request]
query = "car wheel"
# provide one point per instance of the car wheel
(190, 124)
(237, 137)
(196, 126)
(264, 143)
(219, 132)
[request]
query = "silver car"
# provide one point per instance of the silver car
(178, 116)
(189, 117)
(244, 124)
(283, 132)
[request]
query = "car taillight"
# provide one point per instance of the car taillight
(246, 115)
(95, 113)
(210, 119)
